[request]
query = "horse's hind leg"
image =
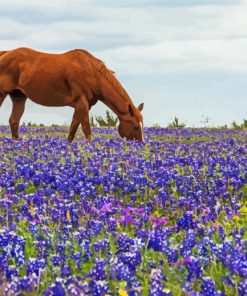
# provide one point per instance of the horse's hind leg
(81, 115)
(18, 100)
(2, 97)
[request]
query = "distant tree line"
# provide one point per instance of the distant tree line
(240, 126)
(176, 123)
(33, 124)
(111, 121)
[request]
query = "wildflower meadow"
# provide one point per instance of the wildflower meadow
(117, 217)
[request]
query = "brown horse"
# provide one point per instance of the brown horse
(75, 78)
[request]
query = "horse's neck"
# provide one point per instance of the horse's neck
(116, 102)
(112, 93)
(116, 99)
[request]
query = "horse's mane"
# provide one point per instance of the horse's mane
(108, 74)
(2, 52)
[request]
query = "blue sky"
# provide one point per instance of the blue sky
(184, 58)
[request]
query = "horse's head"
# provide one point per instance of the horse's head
(131, 126)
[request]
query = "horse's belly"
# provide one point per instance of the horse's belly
(47, 92)
(50, 100)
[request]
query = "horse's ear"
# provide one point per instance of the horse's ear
(131, 111)
(140, 107)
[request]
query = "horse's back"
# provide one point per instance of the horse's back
(52, 79)
(23, 57)
(31, 53)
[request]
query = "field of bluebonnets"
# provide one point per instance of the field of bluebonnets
(168, 217)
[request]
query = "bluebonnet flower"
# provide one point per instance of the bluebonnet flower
(74, 290)
(84, 196)
(34, 265)
(208, 287)
(78, 258)
(119, 270)
(157, 287)
(186, 221)
(142, 234)
(65, 271)
(56, 259)
(194, 268)
(187, 288)
(98, 272)
(99, 287)
(242, 288)
(171, 254)
(155, 242)
(133, 286)
(18, 253)
(132, 258)
(101, 245)
(188, 244)
(11, 271)
(96, 226)
(26, 283)
(60, 248)
(112, 224)
(56, 289)
(33, 228)
(6, 203)
(124, 242)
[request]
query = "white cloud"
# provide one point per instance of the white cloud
(156, 39)
(187, 39)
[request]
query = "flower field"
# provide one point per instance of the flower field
(116, 217)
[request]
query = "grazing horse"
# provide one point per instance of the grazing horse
(75, 78)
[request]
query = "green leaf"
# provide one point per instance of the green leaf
(30, 189)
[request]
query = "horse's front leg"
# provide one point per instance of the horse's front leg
(18, 108)
(86, 128)
(74, 125)
(81, 115)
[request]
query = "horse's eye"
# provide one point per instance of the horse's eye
(136, 128)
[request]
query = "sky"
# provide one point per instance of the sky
(183, 58)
